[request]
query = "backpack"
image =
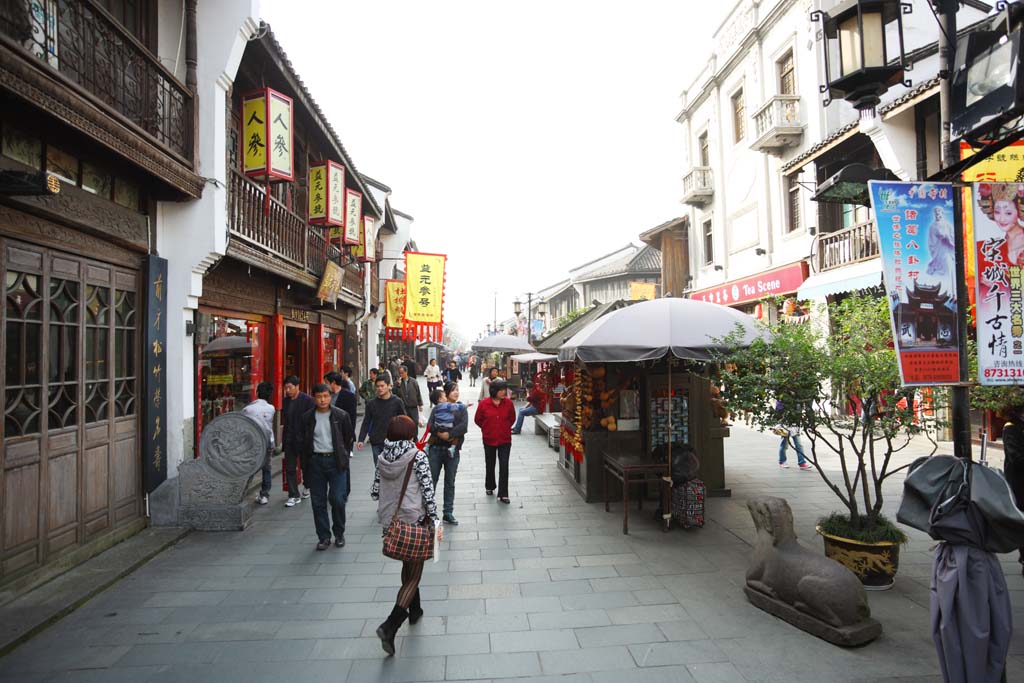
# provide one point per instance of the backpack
(688, 503)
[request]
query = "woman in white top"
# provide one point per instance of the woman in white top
(433, 377)
(485, 385)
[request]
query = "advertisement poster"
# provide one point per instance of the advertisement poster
(915, 237)
(998, 214)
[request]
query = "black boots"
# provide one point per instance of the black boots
(387, 631)
(415, 611)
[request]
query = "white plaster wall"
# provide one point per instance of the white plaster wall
(192, 235)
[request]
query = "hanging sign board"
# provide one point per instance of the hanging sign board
(353, 216)
(154, 380)
(915, 237)
(424, 295)
(326, 180)
(999, 249)
(394, 312)
(267, 125)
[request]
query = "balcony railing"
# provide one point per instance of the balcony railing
(85, 45)
(850, 245)
(777, 124)
(282, 234)
(698, 187)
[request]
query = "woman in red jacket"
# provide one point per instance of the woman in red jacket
(495, 417)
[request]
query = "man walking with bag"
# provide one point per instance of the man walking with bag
(327, 442)
(408, 389)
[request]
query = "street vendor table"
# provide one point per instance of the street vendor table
(635, 469)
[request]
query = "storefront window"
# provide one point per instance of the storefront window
(333, 343)
(231, 357)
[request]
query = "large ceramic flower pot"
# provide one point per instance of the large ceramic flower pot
(875, 564)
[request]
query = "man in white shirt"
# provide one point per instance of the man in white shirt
(262, 413)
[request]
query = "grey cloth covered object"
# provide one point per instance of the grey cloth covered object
(970, 614)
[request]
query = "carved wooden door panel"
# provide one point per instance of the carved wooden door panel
(69, 469)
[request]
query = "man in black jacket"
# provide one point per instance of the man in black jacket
(1013, 466)
(408, 389)
(379, 412)
(296, 404)
(341, 397)
(327, 436)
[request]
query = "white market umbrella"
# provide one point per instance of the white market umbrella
(535, 357)
(503, 343)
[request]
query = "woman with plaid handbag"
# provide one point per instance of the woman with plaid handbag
(404, 489)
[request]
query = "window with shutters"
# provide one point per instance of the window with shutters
(739, 117)
(709, 243)
(703, 153)
(792, 204)
(787, 75)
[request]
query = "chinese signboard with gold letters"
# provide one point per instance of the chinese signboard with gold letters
(424, 295)
(154, 380)
(330, 283)
(325, 183)
(394, 313)
(643, 291)
(353, 216)
(267, 134)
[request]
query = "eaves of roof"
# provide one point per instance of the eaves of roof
(648, 235)
(601, 258)
(376, 183)
(274, 47)
(403, 215)
(555, 339)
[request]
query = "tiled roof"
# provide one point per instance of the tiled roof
(271, 40)
(550, 343)
(645, 260)
(899, 101)
(667, 225)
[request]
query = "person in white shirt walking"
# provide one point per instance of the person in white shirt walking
(262, 413)
(433, 376)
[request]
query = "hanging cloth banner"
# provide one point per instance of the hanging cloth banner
(915, 237)
(998, 209)
(394, 320)
(424, 296)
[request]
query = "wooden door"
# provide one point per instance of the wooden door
(69, 462)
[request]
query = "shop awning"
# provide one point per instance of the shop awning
(534, 357)
(846, 279)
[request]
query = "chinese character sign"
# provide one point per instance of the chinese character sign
(915, 236)
(353, 216)
(998, 214)
(324, 190)
(424, 295)
(154, 381)
(394, 300)
(330, 283)
(366, 251)
(267, 135)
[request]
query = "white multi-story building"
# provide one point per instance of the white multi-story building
(759, 142)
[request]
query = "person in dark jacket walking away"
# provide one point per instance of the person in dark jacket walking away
(296, 404)
(453, 374)
(262, 413)
(327, 440)
(379, 413)
(408, 389)
(474, 371)
(1013, 467)
(445, 442)
(495, 417)
(417, 506)
(536, 400)
(340, 396)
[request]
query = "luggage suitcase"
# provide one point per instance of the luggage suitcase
(688, 503)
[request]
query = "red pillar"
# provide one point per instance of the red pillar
(277, 346)
(316, 352)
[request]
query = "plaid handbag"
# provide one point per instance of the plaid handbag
(408, 542)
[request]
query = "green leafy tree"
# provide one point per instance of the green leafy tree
(801, 375)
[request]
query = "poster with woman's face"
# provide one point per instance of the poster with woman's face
(998, 216)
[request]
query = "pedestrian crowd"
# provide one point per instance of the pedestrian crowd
(320, 436)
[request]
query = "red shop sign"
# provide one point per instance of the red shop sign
(784, 280)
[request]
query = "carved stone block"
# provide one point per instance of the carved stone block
(209, 491)
(805, 588)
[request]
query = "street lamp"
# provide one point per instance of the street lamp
(518, 306)
(864, 54)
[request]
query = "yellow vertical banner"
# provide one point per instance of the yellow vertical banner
(316, 188)
(267, 135)
(394, 312)
(254, 133)
(424, 295)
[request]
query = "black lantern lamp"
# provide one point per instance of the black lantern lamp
(864, 54)
(517, 306)
(987, 89)
(850, 185)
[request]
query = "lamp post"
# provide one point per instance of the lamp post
(863, 40)
(529, 314)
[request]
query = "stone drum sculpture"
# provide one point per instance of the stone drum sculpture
(212, 487)
(805, 588)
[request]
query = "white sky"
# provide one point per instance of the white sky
(525, 137)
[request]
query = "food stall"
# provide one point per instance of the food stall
(639, 384)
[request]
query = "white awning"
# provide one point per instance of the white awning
(846, 279)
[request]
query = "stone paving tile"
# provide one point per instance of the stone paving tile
(547, 590)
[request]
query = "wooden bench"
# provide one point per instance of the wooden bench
(547, 424)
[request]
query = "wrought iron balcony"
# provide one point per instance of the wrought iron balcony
(101, 60)
(698, 188)
(777, 124)
(290, 243)
(851, 245)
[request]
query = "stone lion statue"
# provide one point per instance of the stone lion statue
(786, 571)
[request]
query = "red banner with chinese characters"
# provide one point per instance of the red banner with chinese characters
(784, 280)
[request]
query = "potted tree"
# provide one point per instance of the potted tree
(841, 388)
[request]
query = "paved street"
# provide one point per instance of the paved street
(546, 589)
